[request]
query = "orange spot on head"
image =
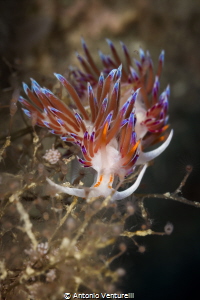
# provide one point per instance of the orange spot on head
(99, 182)
(110, 182)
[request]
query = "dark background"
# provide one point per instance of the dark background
(39, 37)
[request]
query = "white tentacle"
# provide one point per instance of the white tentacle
(67, 190)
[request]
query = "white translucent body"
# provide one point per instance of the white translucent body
(107, 162)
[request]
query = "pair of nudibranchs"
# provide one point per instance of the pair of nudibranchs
(124, 115)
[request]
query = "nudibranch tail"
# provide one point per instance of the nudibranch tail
(131, 189)
(147, 156)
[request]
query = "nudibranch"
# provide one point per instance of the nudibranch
(112, 136)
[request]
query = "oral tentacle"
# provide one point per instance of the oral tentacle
(70, 191)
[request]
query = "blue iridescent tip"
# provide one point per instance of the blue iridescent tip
(116, 86)
(110, 43)
(53, 109)
(120, 68)
(105, 103)
(60, 121)
(21, 99)
(148, 56)
(134, 74)
(133, 138)
(85, 135)
(83, 43)
(131, 119)
(124, 48)
(25, 87)
(101, 79)
(59, 77)
(142, 55)
(46, 123)
(162, 96)
(108, 118)
(112, 73)
(83, 149)
(119, 72)
(64, 138)
(36, 89)
(102, 56)
(162, 56)
(136, 93)
(34, 83)
(45, 91)
(166, 120)
(78, 117)
(73, 135)
(156, 84)
(168, 90)
(124, 122)
(133, 97)
(92, 136)
(82, 161)
(80, 58)
(138, 64)
(124, 107)
(27, 112)
(90, 90)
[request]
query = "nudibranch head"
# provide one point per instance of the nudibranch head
(121, 121)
